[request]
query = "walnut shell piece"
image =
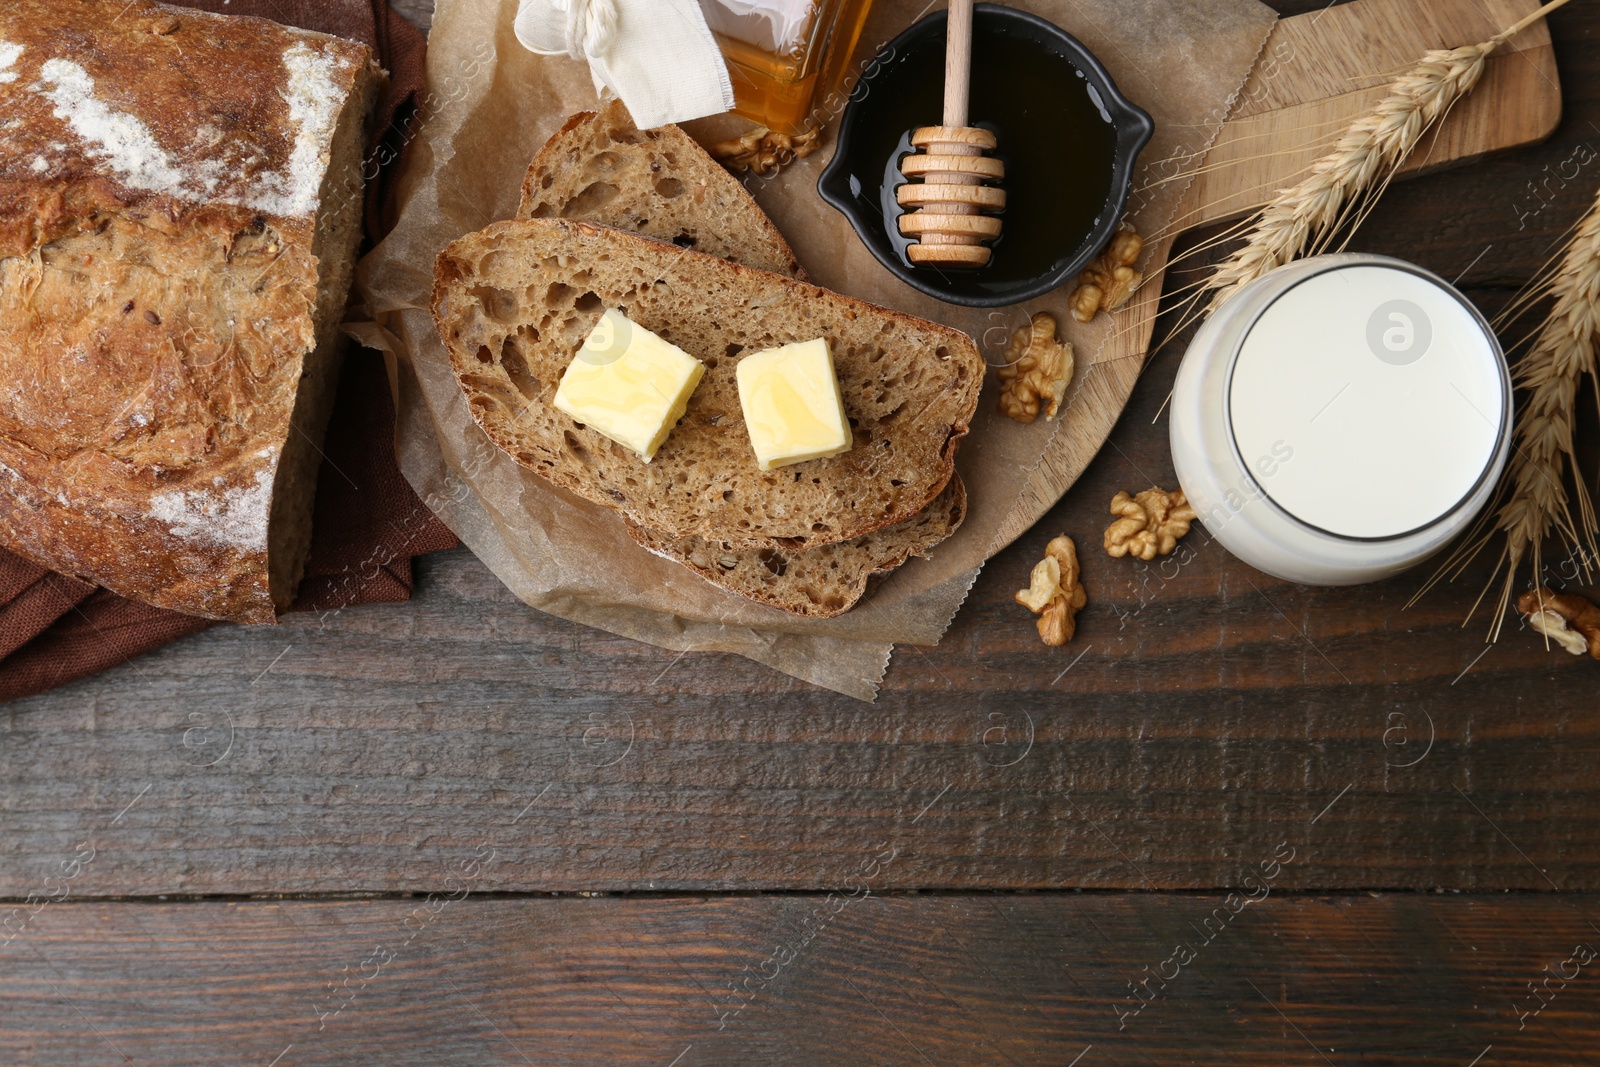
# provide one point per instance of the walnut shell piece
(1055, 592)
(1568, 619)
(1149, 523)
(1037, 372)
(1110, 278)
(763, 151)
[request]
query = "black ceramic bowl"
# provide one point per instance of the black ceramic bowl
(1056, 218)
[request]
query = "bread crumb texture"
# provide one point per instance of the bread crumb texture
(600, 168)
(514, 302)
(161, 182)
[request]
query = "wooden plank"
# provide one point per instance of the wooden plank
(808, 980)
(1224, 711)
(1319, 70)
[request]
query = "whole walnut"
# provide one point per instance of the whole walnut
(1055, 592)
(1108, 281)
(764, 151)
(1568, 619)
(1149, 523)
(1036, 373)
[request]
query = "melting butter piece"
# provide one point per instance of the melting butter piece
(791, 403)
(628, 384)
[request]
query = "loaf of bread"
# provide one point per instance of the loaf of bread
(180, 208)
(514, 302)
(600, 168)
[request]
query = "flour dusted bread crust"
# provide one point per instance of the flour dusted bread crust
(180, 207)
(601, 168)
(514, 302)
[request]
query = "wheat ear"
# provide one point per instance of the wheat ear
(1361, 164)
(1536, 498)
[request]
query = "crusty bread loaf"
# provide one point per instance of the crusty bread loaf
(180, 210)
(823, 581)
(514, 302)
(600, 168)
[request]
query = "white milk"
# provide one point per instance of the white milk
(1341, 419)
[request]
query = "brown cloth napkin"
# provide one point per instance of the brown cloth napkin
(368, 522)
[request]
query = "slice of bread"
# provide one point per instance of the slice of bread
(600, 168)
(820, 582)
(720, 218)
(514, 302)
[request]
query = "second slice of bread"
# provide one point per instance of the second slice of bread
(821, 582)
(514, 302)
(601, 168)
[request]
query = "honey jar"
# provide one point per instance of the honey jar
(786, 58)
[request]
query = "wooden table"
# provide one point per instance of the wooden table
(1237, 821)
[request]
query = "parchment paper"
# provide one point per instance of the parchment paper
(493, 104)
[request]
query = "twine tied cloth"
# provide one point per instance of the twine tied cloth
(659, 56)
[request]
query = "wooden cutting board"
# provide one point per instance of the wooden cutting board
(1317, 73)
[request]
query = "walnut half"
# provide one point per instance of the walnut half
(763, 151)
(1037, 371)
(1108, 281)
(1055, 592)
(1565, 618)
(1149, 523)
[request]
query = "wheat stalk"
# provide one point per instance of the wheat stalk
(1309, 214)
(1536, 502)
(1334, 198)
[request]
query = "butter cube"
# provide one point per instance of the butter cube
(628, 384)
(791, 403)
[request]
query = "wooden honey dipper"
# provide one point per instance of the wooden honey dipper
(946, 209)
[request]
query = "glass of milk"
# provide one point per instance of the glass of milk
(1341, 419)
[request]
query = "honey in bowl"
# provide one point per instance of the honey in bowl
(1066, 136)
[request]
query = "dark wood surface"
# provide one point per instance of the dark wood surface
(1205, 716)
(982, 980)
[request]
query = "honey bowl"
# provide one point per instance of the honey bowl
(1067, 136)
